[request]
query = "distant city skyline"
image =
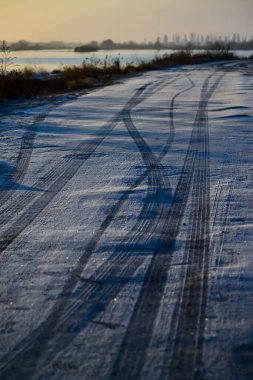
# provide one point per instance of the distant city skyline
(121, 20)
(175, 38)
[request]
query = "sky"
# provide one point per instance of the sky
(121, 20)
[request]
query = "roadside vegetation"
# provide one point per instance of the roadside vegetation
(26, 83)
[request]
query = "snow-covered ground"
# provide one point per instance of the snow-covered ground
(126, 230)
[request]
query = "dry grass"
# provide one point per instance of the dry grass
(27, 83)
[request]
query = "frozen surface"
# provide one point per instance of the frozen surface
(126, 230)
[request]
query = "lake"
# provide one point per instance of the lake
(54, 59)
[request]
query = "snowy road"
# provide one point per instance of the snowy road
(126, 230)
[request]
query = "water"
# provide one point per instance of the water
(55, 59)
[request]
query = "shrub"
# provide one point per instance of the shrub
(6, 60)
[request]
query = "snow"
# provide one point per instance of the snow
(93, 193)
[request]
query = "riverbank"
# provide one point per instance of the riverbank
(27, 83)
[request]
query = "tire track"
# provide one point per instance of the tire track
(64, 166)
(53, 182)
(132, 354)
(44, 333)
(25, 151)
(52, 186)
(189, 315)
(190, 322)
(220, 221)
(131, 252)
(141, 225)
(24, 156)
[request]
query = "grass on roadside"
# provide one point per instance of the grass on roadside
(27, 84)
